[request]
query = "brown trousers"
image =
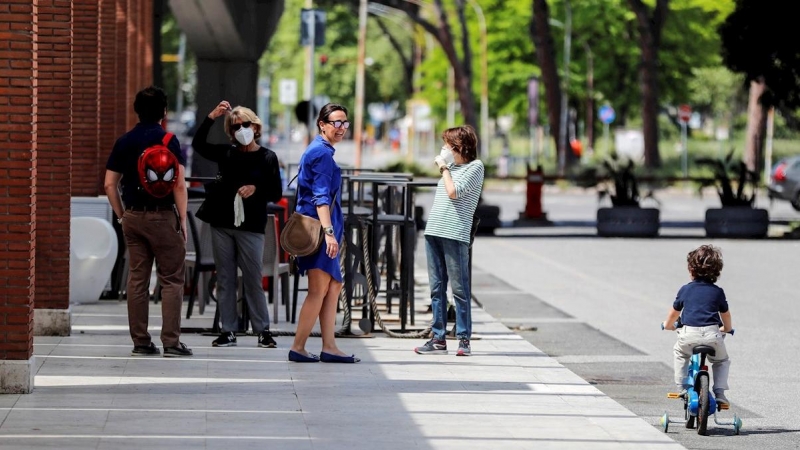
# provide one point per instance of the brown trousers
(154, 235)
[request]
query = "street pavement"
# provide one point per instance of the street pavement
(595, 304)
(567, 354)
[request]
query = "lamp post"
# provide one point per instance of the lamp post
(359, 107)
(562, 138)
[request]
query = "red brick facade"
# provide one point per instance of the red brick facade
(18, 145)
(54, 153)
(66, 68)
(85, 98)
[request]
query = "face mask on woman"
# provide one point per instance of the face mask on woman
(447, 154)
(244, 135)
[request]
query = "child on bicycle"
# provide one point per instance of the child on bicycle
(705, 318)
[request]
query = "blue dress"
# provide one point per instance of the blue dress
(318, 182)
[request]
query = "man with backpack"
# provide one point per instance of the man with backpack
(147, 163)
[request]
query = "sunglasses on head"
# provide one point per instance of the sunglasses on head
(235, 126)
(339, 123)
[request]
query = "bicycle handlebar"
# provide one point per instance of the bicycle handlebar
(679, 325)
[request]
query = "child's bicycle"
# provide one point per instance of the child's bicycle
(698, 400)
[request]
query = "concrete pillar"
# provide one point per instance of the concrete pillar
(228, 38)
(18, 153)
(235, 81)
(54, 162)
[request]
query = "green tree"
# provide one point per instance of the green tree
(758, 41)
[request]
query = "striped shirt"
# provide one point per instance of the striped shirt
(451, 218)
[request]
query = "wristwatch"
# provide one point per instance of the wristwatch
(328, 230)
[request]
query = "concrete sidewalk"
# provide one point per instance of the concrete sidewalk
(90, 393)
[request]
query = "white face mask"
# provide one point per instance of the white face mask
(244, 135)
(447, 154)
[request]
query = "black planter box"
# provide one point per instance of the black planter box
(627, 221)
(737, 222)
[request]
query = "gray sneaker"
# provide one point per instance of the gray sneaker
(722, 401)
(433, 347)
(463, 348)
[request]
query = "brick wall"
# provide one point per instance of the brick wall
(86, 117)
(54, 153)
(18, 154)
(108, 83)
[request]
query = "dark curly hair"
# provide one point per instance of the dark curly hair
(705, 262)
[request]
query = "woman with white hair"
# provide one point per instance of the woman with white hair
(248, 173)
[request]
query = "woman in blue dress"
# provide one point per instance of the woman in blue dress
(318, 183)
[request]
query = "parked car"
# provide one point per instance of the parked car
(785, 181)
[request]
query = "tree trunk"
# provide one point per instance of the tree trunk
(546, 57)
(407, 62)
(649, 41)
(441, 31)
(756, 127)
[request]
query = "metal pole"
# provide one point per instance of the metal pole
(484, 80)
(562, 138)
(359, 107)
(181, 57)
(605, 141)
(451, 98)
(768, 146)
(685, 158)
(309, 81)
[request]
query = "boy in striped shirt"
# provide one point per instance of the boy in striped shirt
(448, 235)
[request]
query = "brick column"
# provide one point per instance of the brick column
(86, 119)
(108, 83)
(54, 161)
(18, 146)
(123, 98)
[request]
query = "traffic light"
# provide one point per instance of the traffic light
(323, 59)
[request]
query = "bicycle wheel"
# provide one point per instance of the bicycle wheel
(702, 404)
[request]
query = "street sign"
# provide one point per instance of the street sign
(288, 91)
(684, 113)
(607, 114)
(318, 17)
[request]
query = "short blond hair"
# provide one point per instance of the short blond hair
(247, 115)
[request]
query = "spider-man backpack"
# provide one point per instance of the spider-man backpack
(158, 169)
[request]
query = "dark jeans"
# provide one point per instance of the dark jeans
(155, 235)
(448, 259)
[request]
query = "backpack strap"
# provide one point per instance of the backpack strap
(167, 138)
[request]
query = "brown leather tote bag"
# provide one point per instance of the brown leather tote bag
(302, 235)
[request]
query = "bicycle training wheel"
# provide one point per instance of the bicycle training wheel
(702, 405)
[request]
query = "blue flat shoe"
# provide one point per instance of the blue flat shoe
(301, 358)
(331, 358)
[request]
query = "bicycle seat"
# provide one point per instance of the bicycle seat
(704, 349)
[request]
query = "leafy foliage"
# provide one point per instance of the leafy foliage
(615, 179)
(725, 172)
(759, 40)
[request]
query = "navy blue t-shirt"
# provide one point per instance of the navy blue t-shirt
(700, 303)
(124, 159)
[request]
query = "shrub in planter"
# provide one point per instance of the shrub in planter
(626, 218)
(736, 187)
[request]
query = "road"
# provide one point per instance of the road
(595, 305)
